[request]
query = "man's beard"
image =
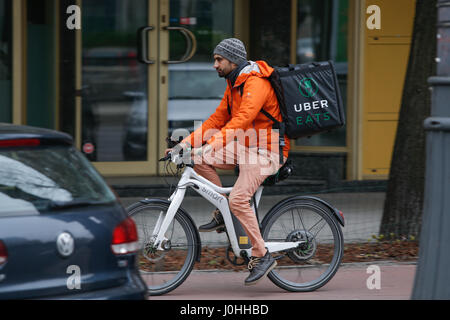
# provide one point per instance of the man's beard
(221, 74)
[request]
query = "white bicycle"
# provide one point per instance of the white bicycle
(303, 233)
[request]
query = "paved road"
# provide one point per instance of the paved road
(349, 283)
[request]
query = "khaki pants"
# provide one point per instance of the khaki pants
(254, 167)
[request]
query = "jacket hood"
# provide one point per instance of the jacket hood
(255, 68)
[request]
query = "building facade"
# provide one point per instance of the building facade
(122, 75)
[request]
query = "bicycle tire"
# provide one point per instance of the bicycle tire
(160, 271)
(304, 263)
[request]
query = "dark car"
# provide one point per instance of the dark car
(63, 233)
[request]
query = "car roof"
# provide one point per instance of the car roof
(192, 66)
(14, 132)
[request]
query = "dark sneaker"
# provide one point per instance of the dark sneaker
(216, 223)
(259, 268)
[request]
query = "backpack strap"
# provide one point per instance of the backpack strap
(281, 127)
(276, 125)
(268, 115)
(241, 91)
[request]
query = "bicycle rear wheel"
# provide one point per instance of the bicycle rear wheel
(163, 271)
(315, 262)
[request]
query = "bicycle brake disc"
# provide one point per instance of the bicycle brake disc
(151, 252)
(305, 250)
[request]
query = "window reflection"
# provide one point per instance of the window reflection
(112, 78)
(270, 31)
(49, 175)
(195, 90)
(16, 207)
(322, 35)
(15, 174)
(313, 31)
(210, 20)
(41, 63)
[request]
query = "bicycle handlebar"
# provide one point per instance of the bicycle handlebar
(174, 158)
(177, 159)
(167, 157)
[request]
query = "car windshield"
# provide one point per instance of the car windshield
(196, 84)
(39, 180)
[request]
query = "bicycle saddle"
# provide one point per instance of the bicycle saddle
(282, 174)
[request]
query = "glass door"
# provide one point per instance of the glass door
(41, 64)
(146, 69)
(115, 101)
(5, 61)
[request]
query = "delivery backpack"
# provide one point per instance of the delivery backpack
(309, 98)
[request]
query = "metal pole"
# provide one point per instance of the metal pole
(432, 280)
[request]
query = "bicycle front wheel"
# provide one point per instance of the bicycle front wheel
(314, 263)
(163, 270)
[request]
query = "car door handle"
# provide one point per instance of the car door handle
(191, 44)
(143, 45)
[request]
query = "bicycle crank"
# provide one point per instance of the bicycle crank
(234, 260)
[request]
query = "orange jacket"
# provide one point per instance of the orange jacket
(245, 104)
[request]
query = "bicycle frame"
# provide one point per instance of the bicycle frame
(214, 194)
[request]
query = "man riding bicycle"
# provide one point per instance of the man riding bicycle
(239, 134)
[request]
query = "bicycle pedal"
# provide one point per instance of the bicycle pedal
(220, 230)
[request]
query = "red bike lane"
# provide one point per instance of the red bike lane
(359, 281)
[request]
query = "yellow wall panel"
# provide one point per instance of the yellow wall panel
(379, 137)
(386, 54)
(385, 74)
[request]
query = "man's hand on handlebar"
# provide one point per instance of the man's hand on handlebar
(177, 153)
(177, 148)
(167, 151)
(182, 152)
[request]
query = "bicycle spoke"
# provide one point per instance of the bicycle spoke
(285, 229)
(179, 246)
(300, 216)
(324, 224)
(315, 224)
(293, 220)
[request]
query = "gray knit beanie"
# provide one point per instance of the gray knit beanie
(232, 49)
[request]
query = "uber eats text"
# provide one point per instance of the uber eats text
(312, 117)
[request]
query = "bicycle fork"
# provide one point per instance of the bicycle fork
(165, 219)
